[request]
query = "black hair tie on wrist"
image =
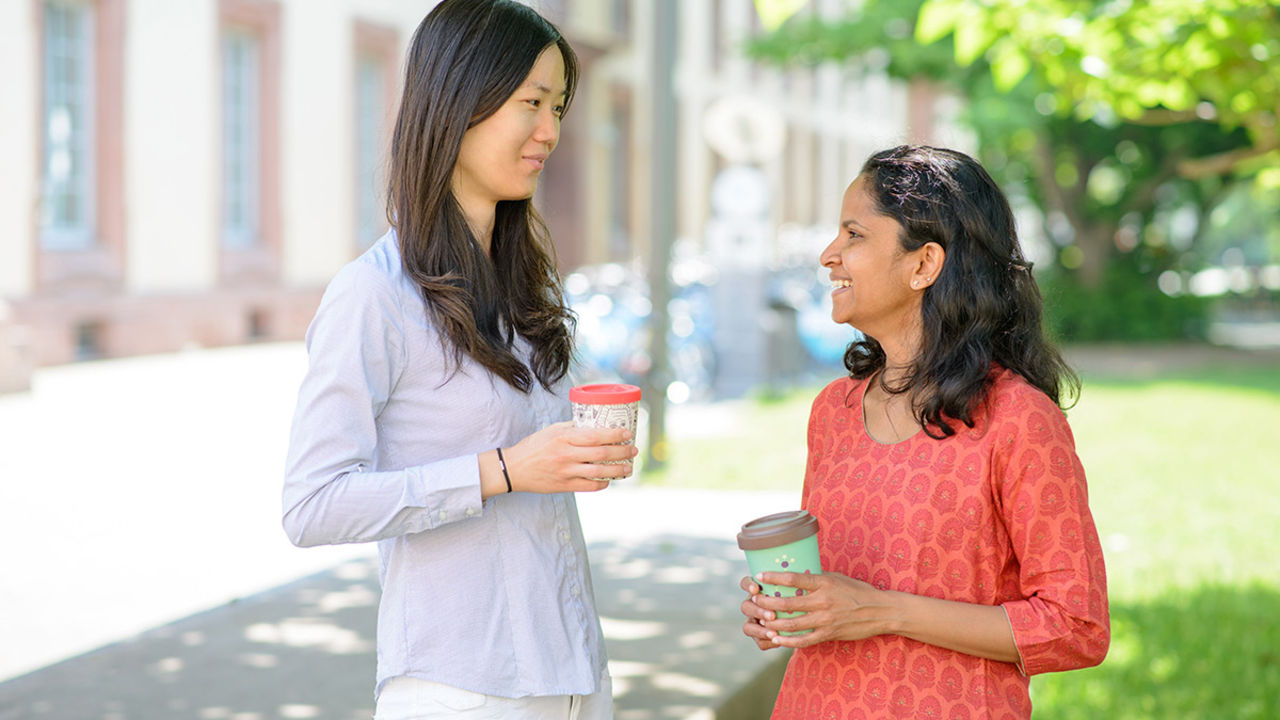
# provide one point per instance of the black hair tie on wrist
(503, 464)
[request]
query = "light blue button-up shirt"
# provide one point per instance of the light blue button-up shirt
(494, 596)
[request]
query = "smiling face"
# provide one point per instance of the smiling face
(502, 156)
(871, 274)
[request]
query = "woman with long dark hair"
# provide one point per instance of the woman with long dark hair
(958, 549)
(432, 416)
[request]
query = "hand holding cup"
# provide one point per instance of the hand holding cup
(782, 542)
(606, 405)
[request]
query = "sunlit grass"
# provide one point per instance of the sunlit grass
(1184, 478)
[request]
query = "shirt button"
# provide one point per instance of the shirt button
(471, 511)
(574, 591)
(444, 515)
(564, 535)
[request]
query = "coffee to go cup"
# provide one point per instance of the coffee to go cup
(782, 542)
(606, 405)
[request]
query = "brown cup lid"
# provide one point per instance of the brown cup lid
(777, 529)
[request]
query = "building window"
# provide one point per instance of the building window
(248, 62)
(371, 111)
(67, 216)
(241, 58)
(376, 95)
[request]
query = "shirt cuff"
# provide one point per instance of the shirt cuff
(1021, 667)
(448, 490)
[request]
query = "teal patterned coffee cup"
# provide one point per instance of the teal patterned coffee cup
(782, 542)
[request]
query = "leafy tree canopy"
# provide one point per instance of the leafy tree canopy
(1153, 61)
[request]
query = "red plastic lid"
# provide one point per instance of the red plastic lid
(604, 394)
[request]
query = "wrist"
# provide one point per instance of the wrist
(897, 620)
(491, 480)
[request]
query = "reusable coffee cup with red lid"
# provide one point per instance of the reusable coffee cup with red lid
(606, 405)
(782, 542)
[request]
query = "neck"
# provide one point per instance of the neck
(482, 228)
(480, 217)
(899, 353)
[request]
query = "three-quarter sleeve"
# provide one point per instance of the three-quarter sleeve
(356, 356)
(1062, 620)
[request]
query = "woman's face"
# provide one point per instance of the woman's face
(501, 157)
(871, 274)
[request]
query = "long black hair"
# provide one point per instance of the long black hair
(983, 308)
(466, 58)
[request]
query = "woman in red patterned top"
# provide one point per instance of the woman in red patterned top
(959, 553)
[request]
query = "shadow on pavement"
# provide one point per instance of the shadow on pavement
(302, 650)
(668, 606)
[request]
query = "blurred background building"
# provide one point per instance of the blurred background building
(182, 173)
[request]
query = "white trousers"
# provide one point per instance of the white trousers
(409, 698)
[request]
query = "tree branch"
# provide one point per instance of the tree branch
(1223, 163)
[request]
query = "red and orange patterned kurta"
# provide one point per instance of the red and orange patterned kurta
(997, 515)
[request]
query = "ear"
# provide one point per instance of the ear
(929, 259)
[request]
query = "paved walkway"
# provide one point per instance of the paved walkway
(144, 574)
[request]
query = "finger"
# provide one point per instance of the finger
(754, 631)
(588, 485)
(806, 581)
(786, 579)
(600, 471)
(796, 641)
(585, 437)
(754, 611)
(802, 601)
(611, 453)
(618, 470)
(781, 625)
(800, 631)
(749, 585)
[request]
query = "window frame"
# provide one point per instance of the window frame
(90, 259)
(56, 235)
(254, 264)
(239, 147)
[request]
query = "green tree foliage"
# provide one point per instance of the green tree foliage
(1105, 169)
(1155, 62)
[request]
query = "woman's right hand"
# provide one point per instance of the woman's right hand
(563, 458)
(754, 613)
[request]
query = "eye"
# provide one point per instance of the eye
(534, 102)
(558, 110)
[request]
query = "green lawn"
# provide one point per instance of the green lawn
(1184, 478)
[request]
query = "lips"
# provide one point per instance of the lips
(537, 160)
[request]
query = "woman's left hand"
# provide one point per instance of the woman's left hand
(837, 607)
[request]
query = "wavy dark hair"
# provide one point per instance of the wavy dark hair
(984, 306)
(466, 58)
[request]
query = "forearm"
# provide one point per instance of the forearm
(368, 506)
(980, 630)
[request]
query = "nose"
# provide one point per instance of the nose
(547, 131)
(830, 255)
